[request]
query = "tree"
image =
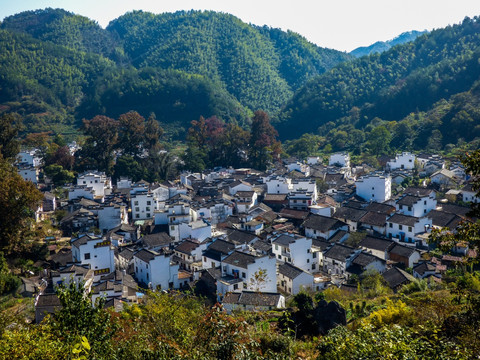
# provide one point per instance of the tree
(379, 140)
(258, 281)
(9, 127)
(97, 152)
(18, 201)
(263, 144)
(153, 133)
(77, 317)
(132, 133)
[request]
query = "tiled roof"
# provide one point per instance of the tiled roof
(396, 277)
(339, 252)
(186, 247)
(322, 223)
(239, 259)
(252, 298)
(221, 246)
(401, 250)
(158, 239)
(374, 218)
(403, 219)
(381, 208)
(145, 255)
(375, 243)
(349, 213)
(289, 270)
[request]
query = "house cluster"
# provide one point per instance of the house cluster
(247, 238)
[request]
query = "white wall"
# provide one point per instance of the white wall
(374, 188)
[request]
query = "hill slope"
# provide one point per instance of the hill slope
(389, 86)
(261, 67)
(188, 64)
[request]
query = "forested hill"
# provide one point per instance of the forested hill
(415, 78)
(58, 67)
(261, 67)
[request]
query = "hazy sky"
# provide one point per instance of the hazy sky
(338, 24)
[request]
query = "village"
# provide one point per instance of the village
(248, 239)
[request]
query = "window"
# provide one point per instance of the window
(400, 227)
(149, 202)
(279, 256)
(137, 216)
(147, 276)
(235, 286)
(172, 227)
(409, 208)
(401, 206)
(314, 255)
(244, 275)
(148, 215)
(373, 195)
(313, 266)
(425, 202)
(87, 256)
(147, 266)
(135, 203)
(390, 224)
(409, 228)
(276, 247)
(424, 211)
(308, 260)
(373, 188)
(137, 209)
(148, 208)
(136, 269)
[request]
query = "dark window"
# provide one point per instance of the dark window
(400, 227)
(87, 256)
(390, 224)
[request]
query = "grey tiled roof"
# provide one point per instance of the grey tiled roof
(252, 298)
(322, 223)
(239, 259)
(289, 270)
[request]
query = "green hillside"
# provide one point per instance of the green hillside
(58, 67)
(261, 67)
(409, 78)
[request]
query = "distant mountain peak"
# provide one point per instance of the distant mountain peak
(381, 46)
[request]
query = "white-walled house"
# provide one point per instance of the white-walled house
(111, 216)
(417, 206)
(292, 279)
(277, 184)
(305, 185)
(313, 160)
(239, 185)
(376, 188)
(253, 301)
(199, 230)
(77, 192)
(405, 161)
(245, 200)
(244, 271)
(142, 206)
(155, 270)
(98, 181)
(29, 157)
(339, 159)
(405, 228)
(174, 213)
(300, 167)
(95, 251)
(28, 173)
(338, 258)
(469, 195)
(318, 226)
(293, 249)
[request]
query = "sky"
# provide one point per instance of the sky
(338, 24)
